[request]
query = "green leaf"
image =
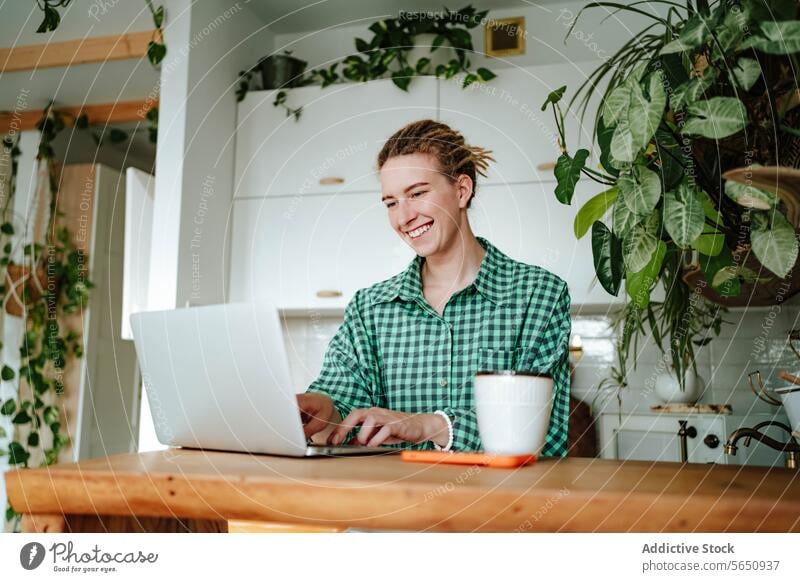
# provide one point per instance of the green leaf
(709, 243)
(690, 37)
(671, 158)
(50, 415)
(749, 196)
(776, 37)
(6, 228)
(683, 215)
(21, 417)
(51, 19)
(17, 454)
(3, 434)
(640, 190)
(33, 439)
(710, 210)
(117, 135)
(638, 285)
(7, 373)
(362, 46)
(594, 210)
(776, 247)
(715, 118)
(640, 244)
(9, 407)
(607, 254)
(644, 114)
(604, 135)
(746, 72)
(401, 80)
(622, 142)
(486, 75)
(616, 104)
(623, 218)
(468, 80)
(156, 52)
(82, 121)
(158, 17)
(567, 172)
(554, 97)
(711, 265)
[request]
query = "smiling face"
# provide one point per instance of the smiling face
(426, 208)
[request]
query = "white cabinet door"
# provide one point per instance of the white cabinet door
(333, 146)
(291, 250)
(527, 223)
(505, 116)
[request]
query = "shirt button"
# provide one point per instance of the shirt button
(443, 382)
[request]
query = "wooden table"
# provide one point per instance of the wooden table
(190, 490)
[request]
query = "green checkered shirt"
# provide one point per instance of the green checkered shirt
(394, 351)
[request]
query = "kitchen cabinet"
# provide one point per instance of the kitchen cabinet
(334, 145)
(653, 436)
(312, 252)
(293, 250)
(505, 116)
(527, 223)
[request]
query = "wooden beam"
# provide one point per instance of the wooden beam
(98, 49)
(98, 114)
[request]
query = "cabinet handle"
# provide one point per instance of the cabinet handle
(329, 293)
(545, 166)
(327, 180)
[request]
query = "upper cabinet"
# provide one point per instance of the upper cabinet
(505, 116)
(312, 252)
(333, 146)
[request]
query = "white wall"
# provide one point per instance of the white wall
(546, 26)
(208, 43)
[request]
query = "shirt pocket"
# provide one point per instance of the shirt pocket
(494, 360)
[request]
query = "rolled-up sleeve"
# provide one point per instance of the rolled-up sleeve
(348, 372)
(549, 353)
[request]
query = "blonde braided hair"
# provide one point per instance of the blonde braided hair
(454, 155)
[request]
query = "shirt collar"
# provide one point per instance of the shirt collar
(408, 284)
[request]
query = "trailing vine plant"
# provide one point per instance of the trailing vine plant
(58, 286)
(387, 54)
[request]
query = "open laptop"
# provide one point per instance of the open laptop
(217, 377)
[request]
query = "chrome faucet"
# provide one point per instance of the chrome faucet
(791, 448)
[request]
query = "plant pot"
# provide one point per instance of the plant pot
(668, 389)
(23, 289)
(790, 396)
(280, 71)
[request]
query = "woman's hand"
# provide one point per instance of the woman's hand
(317, 413)
(381, 426)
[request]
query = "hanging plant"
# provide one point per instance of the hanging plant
(52, 17)
(387, 54)
(56, 284)
(156, 49)
(703, 90)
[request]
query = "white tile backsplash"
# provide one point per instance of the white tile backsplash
(753, 339)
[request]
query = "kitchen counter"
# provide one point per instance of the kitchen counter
(190, 490)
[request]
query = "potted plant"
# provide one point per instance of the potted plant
(696, 101)
(279, 71)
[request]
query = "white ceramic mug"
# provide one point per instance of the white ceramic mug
(513, 410)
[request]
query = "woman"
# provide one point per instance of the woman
(403, 361)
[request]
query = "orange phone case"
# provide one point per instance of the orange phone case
(485, 459)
